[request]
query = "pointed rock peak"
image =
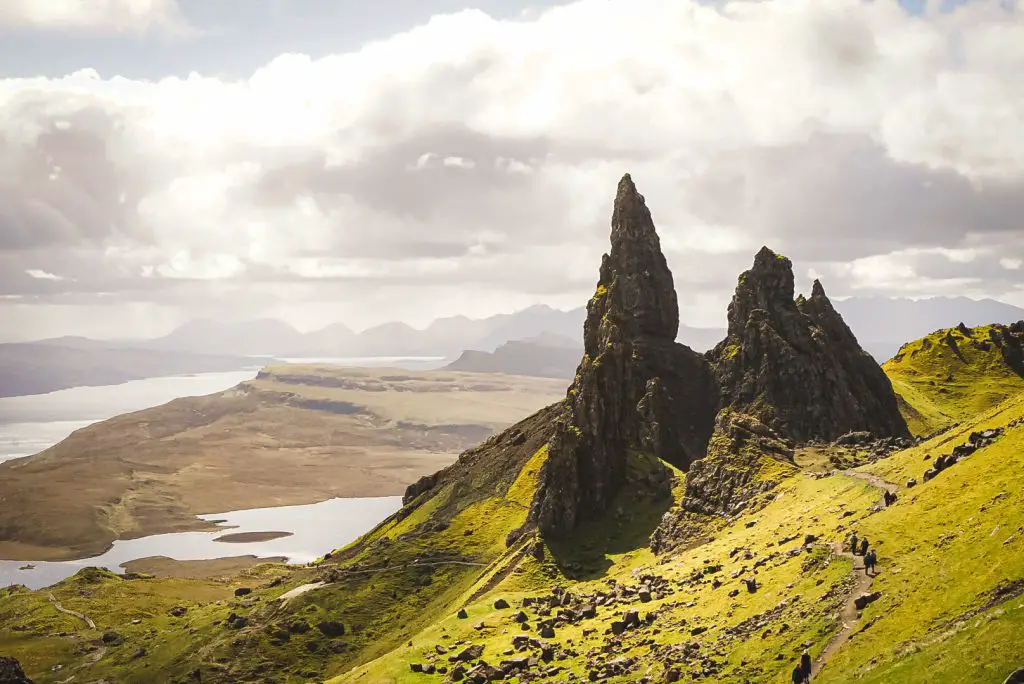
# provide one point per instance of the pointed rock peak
(768, 286)
(635, 291)
(768, 260)
(795, 364)
(637, 392)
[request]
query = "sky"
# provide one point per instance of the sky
(327, 161)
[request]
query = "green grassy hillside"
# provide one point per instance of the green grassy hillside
(950, 551)
(446, 584)
(952, 375)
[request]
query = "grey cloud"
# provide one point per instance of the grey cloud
(835, 198)
(437, 209)
(64, 187)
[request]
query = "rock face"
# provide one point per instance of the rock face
(745, 459)
(11, 672)
(795, 365)
(1010, 341)
(636, 388)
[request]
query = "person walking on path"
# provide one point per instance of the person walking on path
(869, 562)
(864, 546)
(853, 544)
(798, 675)
(805, 666)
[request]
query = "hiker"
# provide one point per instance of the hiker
(893, 497)
(798, 675)
(864, 546)
(869, 562)
(805, 666)
(853, 544)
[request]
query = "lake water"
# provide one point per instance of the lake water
(33, 423)
(316, 529)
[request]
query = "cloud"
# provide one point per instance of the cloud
(876, 148)
(98, 16)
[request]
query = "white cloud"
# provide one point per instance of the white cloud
(42, 275)
(481, 151)
(106, 16)
(1011, 264)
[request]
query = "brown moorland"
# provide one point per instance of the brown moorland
(294, 435)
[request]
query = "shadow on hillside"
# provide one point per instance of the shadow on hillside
(627, 526)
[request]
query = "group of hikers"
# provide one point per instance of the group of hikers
(859, 547)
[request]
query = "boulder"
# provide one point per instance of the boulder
(11, 672)
(469, 653)
(331, 628)
(864, 600)
(1015, 677)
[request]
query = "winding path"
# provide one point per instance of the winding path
(862, 581)
(62, 609)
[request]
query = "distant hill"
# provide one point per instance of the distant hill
(956, 373)
(882, 324)
(522, 358)
(257, 337)
(38, 368)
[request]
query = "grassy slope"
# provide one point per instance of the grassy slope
(943, 549)
(940, 385)
(945, 546)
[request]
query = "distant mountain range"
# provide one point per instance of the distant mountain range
(538, 340)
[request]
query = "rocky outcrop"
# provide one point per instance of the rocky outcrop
(795, 365)
(636, 388)
(745, 459)
(11, 672)
(1010, 341)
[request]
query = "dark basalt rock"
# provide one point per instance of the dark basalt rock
(735, 469)
(1010, 341)
(11, 672)
(795, 364)
(746, 460)
(636, 387)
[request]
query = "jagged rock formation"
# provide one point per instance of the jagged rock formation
(741, 453)
(1010, 341)
(11, 672)
(636, 387)
(745, 461)
(795, 364)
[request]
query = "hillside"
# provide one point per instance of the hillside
(954, 374)
(522, 358)
(295, 434)
(674, 518)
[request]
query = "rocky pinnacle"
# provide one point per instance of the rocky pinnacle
(796, 365)
(636, 389)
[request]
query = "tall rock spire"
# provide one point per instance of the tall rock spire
(636, 388)
(796, 365)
